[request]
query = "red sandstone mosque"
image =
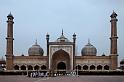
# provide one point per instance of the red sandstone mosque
(61, 53)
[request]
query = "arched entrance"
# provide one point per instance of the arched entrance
(78, 67)
(61, 66)
(60, 60)
(85, 67)
(30, 67)
(92, 67)
(106, 67)
(16, 67)
(36, 67)
(23, 67)
(43, 67)
(99, 67)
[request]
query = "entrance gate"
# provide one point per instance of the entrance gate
(61, 66)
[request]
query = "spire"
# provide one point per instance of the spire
(74, 37)
(74, 34)
(113, 11)
(47, 36)
(113, 15)
(47, 33)
(88, 41)
(10, 15)
(62, 38)
(36, 42)
(62, 31)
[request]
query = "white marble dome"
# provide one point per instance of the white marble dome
(35, 50)
(88, 49)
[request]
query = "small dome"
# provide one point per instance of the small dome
(62, 38)
(89, 49)
(122, 61)
(35, 50)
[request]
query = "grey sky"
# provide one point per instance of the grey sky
(87, 18)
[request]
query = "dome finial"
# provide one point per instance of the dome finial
(47, 33)
(74, 35)
(36, 42)
(47, 37)
(10, 14)
(113, 11)
(62, 31)
(88, 41)
(113, 15)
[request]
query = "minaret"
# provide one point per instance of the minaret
(74, 37)
(9, 46)
(47, 39)
(113, 39)
(74, 42)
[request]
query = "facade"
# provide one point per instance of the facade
(61, 53)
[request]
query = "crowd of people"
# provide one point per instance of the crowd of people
(38, 74)
(46, 74)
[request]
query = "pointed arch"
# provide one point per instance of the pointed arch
(99, 67)
(106, 67)
(23, 67)
(78, 67)
(60, 56)
(61, 66)
(30, 67)
(43, 67)
(16, 67)
(36, 67)
(85, 67)
(92, 67)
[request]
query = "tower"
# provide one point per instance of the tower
(113, 39)
(74, 42)
(9, 46)
(47, 39)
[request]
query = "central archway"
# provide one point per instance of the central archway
(61, 66)
(60, 60)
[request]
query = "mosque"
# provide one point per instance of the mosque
(61, 53)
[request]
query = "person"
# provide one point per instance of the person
(46, 74)
(31, 74)
(42, 74)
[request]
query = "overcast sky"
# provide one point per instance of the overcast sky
(87, 18)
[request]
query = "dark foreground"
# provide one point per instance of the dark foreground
(20, 78)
